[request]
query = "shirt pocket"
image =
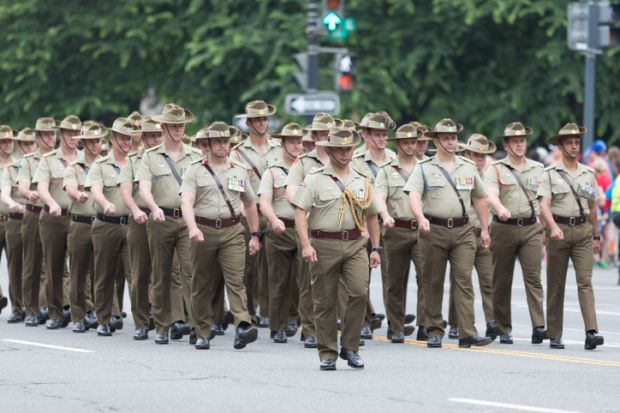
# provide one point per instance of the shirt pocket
(204, 181)
(110, 181)
(160, 171)
(435, 185)
(560, 190)
(328, 197)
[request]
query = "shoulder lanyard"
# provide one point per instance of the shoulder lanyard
(458, 194)
(570, 185)
(221, 188)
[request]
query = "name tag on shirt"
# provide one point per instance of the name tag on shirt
(236, 184)
(464, 182)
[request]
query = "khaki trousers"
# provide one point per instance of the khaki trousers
(33, 281)
(284, 259)
(457, 246)
(306, 304)
(13, 247)
(166, 238)
(255, 271)
(80, 246)
(401, 247)
(54, 232)
(340, 265)
(509, 242)
(576, 245)
(224, 246)
(140, 264)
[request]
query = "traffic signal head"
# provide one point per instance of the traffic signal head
(332, 14)
(607, 30)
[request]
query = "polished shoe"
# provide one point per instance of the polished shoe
(380, 316)
(453, 333)
(116, 323)
(52, 324)
(217, 329)
(193, 337)
(3, 303)
(78, 327)
(31, 321)
(398, 337)
(375, 323)
(328, 364)
(506, 338)
(409, 318)
(44, 315)
(352, 357)
(422, 334)
(104, 330)
(141, 334)
(492, 332)
(161, 338)
(16, 318)
(263, 322)
(311, 342)
(433, 342)
(202, 344)
(409, 329)
(593, 340)
(366, 333)
(556, 343)
(291, 328)
(280, 337)
(539, 334)
(245, 334)
(476, 341)
(90, 320)
(178, 330)
(66, 316)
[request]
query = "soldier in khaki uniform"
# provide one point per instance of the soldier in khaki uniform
(512, 184)
(307, 141)
(212, 192)
(258, 152)
(567, 204)
(439, 190)
(160, 180)
(137, 238)
(79, 241)
(340, 203)
(401, 234)
(281, 242)
(54, 219)
(422, 142)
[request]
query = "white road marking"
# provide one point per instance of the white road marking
(31, 343)
(520, 407)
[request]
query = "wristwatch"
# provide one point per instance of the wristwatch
(256, 234)
(596, 238)
(377, 249)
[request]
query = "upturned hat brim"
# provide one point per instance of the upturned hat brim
(271, 110)
(433, 134)
(356, 141)
(528, 132)
(465, 147)
(555, 139)
(167, 118)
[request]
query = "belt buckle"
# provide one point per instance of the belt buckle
(572, 221)
(450, 223)
(176, 213)
(92, 218)
(123, 221)
(344, 235)
(414, 224)
(218, 223)
(520, 221)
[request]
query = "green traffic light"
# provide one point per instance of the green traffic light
(331, 20)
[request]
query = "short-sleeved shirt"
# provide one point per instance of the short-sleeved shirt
(320, 195)
(365, 165)
(391, 181)
(154, 168)
(261, 160)
(10, 179)
(512, 197)
(52, 170)
(104, 173)
(563, 202)
(128, 174)
(361, 150)
(27, 167)
(273, 183)
(438, 197)
(304, 165)
(4, 208)
(210, 203)
(76, 174)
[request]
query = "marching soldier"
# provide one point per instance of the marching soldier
(422, 142)
(568, 192)
(137, 239)
(213, 189)
(307, 140)
(160, 179)
(401, 234)
(439, 190)
(512, 184)
(54, 220)
(340, 205)
(281, 243)
(79, 241)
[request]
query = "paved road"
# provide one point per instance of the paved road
(86, 373)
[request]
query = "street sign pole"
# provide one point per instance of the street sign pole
(588, 104)
(313, 50)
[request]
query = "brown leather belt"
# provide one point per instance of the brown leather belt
(172, 212)
(406, 223)
(448, 222)
(83, 219)
(571, 221)
(124, 220)
(33, 208)
(16, 215)
(517, 222)
(64, 212)
(349, 235)
(218, 223)
(288, 223)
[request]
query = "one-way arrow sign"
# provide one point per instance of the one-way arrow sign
(310, 104)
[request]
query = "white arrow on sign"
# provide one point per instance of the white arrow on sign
(310, 104)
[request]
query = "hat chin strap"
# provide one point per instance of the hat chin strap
(443, 147)
(509, 149)
(564, 151)
(401, 149)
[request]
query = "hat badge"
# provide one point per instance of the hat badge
(261, 112)
(328, 124)
(345, 141)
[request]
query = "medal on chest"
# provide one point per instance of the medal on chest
(236, 184)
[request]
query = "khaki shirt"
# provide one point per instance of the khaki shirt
(304, 165)
(210, 202)
(4, 208)
(52, 170)
(438, 197)
(511, 195)
(27, 167)
(365, 165)
(76, 174)
(563, 201)
(274, 184)
(322, 197)
(10, 178)
(361, 150)
(104, 173)
(128, 174)
(391, 183)
(261, 160)
(154, 168)
(473, 217)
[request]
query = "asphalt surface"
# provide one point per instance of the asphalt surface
(59, 371)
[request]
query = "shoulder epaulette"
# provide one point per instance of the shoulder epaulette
(133, 154)
(590, 169)
(303, 155)
(153, 148)
(423, 161)
(237, 164)
(28, 155)
(359, 155)
(550, 167)
(196, 151)
(50, 153)
(467, 160)
(317, 170)
(102, 160)
(538, 163)
(239, 145)
(197, 161)
(497, 162)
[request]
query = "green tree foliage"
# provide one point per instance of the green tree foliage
(482, 62)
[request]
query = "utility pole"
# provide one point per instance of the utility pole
(313, 52)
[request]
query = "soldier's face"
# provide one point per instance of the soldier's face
(70, 138)
(340, 156)
(258, 125)
(378, 138)
(407, 146)
(6, 146)
(47, 140)
(517, 145)
(446, 142)
(93, 146)
(293, 146)
(176, 131)
(308, 146)
(572, 146)
(121, 142)
(318, 136)
(219, 147)
(203, 146)
(26, 147)
(421, 147)
(479, 159)
(151, 139)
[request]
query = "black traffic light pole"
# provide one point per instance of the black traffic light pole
(590, 78)
(313, 51)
